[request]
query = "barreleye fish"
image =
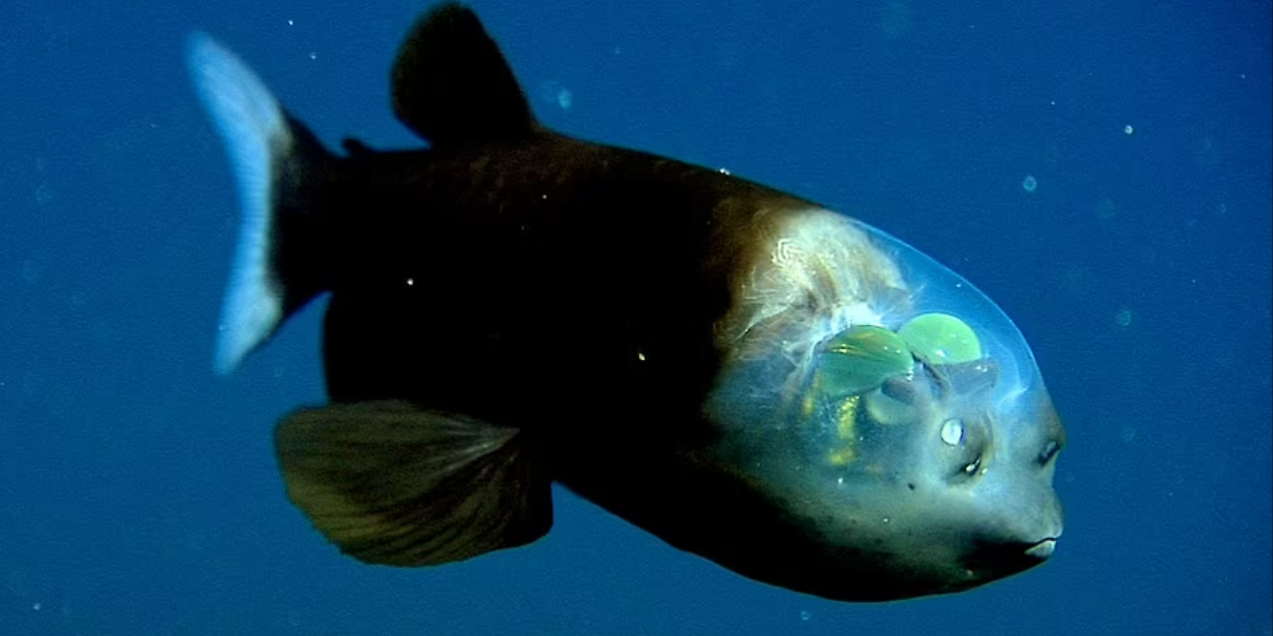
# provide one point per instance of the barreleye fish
(753, 378)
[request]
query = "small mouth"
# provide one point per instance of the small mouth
(1010, 557)
(1043, 549)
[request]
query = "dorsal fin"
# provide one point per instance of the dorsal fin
(452, 86)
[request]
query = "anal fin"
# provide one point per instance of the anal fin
(391, 483)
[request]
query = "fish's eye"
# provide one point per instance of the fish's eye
(965, 445)
(1049, 451)
(952, 431)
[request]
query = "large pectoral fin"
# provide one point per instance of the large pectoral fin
(391, 483)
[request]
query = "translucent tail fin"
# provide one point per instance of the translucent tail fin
(278, 165)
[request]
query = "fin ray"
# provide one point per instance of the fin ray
(391, 483)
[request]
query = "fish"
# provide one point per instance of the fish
(750, 376)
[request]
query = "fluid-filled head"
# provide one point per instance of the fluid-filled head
(889, 410)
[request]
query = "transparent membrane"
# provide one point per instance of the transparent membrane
(844, 342)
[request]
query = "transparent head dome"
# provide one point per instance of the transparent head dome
(885, 412)
(839, 325)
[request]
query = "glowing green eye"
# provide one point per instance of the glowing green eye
(861, 358)
(941, 339)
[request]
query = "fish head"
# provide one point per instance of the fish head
(891, 413)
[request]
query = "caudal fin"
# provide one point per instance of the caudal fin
(280, 167)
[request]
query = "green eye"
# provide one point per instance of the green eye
(941, 339)
(861, 358)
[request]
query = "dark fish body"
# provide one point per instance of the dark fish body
(776, 387)
(561, 256)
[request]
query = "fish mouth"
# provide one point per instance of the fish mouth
(1042, 550)
(1002, 559)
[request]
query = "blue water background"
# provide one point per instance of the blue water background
(138, 493)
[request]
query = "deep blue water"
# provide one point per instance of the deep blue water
(138, 493)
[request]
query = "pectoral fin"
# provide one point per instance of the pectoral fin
(391, 483)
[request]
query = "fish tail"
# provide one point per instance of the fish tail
(281, 169)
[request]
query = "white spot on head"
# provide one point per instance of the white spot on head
(952, 431)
